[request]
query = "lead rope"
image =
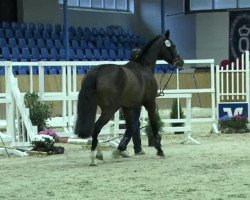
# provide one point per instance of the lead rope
(162, 90)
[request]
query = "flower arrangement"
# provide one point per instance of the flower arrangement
(234, 124)
(43, 142)
(51, 133)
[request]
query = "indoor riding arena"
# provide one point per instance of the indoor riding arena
(84, 84)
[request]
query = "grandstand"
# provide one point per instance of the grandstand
(36, 42)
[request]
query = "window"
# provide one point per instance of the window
(215, 5)
(224, 4)
(114, 5)
(200, 5)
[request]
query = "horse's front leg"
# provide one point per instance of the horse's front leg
(151, 108)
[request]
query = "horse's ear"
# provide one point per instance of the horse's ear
(167, 34)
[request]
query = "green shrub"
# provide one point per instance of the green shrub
(39, 111)
(174, 113)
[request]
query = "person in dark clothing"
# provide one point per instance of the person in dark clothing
(134, 131)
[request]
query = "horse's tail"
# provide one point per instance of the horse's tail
(86, 107)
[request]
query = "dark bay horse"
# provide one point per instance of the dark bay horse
(128, 86)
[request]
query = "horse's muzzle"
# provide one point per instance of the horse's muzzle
(178, 62)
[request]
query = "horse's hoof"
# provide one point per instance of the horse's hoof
(99, 156)
(161, 154)
(93, 164)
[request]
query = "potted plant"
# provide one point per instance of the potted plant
(174, 115)
(148, 129)
(39, 111)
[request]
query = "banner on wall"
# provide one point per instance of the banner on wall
(239, 33)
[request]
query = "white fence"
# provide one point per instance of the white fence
(233, 87)
(18, 125)
(69, 93)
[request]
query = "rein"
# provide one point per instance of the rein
(162, 90)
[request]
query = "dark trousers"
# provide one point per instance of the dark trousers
(132, 132)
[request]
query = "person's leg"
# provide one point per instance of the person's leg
(135, 126)
(121, 149)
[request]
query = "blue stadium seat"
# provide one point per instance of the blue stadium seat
(3, 42)
(31, 43)
(48, 28)
(6, 55)
(86, 68)
(32, 27)
(40, 27)
(58, 28)
(97, 54)
(53, 54)
(46, 35)
(75, 44)
(25, 54)
(112, 46)
(106, 43)
(50, 44)
(83, 44)
(120, 54)
(12, 42)
(45, 54)
(2, 34)
(99, 44)
(35, 70)
(79, 70)
(127, 54)
(9, 33)
(114, 39)
(105, 55)
(127, 46)
(72, 54)
(22, 43)
(15, 54)
(37, 35)
(28, 34)
(88, 54)
(54, 35)
(119, 45)
(72, 30)
(23, 70)
(2, 71)
(62, 54)
(121, 39)
(58, 44)
(19, 34)
(109, 31)
(53, 71)
(23, 26)
(94, 31)
(40, 43)
(91, 45)
(79, 54)
(15, 26)
(112, 54)
(79, 30)
(5, 25)
(102, 32)
(35, 54)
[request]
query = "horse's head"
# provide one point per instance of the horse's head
(168, 51)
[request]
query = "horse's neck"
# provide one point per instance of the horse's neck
(151, 56)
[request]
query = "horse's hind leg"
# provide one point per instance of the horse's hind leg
(151, 108)
(103, 120)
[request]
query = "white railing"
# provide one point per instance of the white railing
(19, 128)
(233, 82)
(69, 91)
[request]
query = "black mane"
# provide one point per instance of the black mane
(145, 49)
